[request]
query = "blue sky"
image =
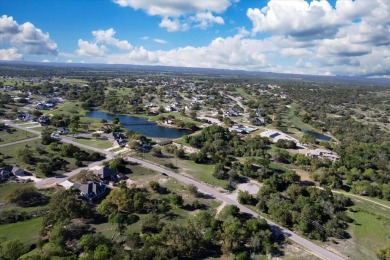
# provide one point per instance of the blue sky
(339, 37)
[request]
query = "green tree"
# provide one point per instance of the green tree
(102, 252)
(46, 138)
(12, 249)
(25, 155)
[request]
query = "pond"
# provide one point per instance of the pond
(141, 125)
(317, 135)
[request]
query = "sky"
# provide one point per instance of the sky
(317, 37)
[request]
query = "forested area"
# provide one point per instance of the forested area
(364, 167)
(67, 228)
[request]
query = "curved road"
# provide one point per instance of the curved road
(310, 246)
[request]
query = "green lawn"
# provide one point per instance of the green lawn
(369, 232)
(68, 107)
(102, 144)
(26, 231)
(15, 135)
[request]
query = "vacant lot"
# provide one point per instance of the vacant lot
(13, 135)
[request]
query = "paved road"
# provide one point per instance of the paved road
(310, 246)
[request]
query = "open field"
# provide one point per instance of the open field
(6, 188)
(102, 144)
(26, 231)
(201, 172)
(15, 135)
(68, 107)
(369, 232)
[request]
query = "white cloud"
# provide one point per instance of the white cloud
(26, 37)
(69, 61)
(296, 18)
(10, 54)
(173, 25)
(206, 19)
(228, 53)
(176, 14)
(161, 41)
(346, 39)
(106, 36)
(295, 36)
(90, 49)
(296, 52)
(45, 60)
(98, 46)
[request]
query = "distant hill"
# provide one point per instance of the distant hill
(78, 67)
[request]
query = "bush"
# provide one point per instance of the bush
(27, 197)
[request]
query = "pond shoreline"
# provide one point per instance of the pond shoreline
(141, 125)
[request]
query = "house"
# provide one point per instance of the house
(68, 185)
(92, 190)
(44, 120)
(9, 171)
(119, 138)
(324, 154)
(169, 109)
(62, 130)
(103, 172)
(259, 121)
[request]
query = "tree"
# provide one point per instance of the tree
(115, 120)
(27, 197)
(155, 186)
(176, 200)
(25, 155)
(102, 252)
(12, 249)
(89, 242)
(193, 190)
(74, 124)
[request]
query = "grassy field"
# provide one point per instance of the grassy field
(26, 231)
(369, 232)
(201, 172)
(68, 107)
(6, 188)
(102, 144)
(15, 135)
